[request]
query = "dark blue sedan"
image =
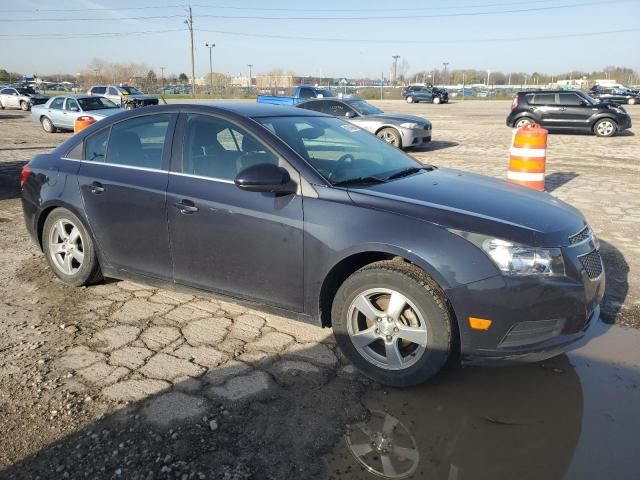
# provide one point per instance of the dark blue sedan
(308, 214)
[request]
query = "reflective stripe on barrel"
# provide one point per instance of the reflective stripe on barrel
(528, 157)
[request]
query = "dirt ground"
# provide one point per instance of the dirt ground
(121, 380)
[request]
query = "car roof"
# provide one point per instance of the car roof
(256, 110)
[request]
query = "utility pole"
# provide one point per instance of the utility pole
(381, 85)
(250, 76)
(395, 68)
(189, 22)
(162, 77)
(210, 47)
(444, 75)
(463, 82)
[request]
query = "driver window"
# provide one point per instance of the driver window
(335, 109)
(112, 91)
(218, 149)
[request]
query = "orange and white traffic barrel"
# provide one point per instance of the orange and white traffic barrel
(82, 122)
(528, 157)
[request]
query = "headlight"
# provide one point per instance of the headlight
(518, 260)
(411, 125)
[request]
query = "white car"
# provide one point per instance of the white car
(20, 97)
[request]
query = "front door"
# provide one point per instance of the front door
(575, 114)
(244, 244)
(69, 113)
(545, 109)
(123, 180)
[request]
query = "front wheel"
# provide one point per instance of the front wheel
(436, 100)
(631, 101)
(409, 99)
(24, 106)
(391, 136)
(391, 321)
(605, 128)
(523, 122)
(69, 249)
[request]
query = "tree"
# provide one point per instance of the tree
(182, 78)
(151, 79)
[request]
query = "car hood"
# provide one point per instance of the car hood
(140, 97)
(394, 118)
(476, 203)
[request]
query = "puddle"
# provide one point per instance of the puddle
(572, 417)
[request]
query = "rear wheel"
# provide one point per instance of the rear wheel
(69, 249)
(391, 136)
(523, 122)
(47, 125)
(605, 128)
(24, 106)
(436, 100)
(631, 101)
(409, 99)
(390, 319)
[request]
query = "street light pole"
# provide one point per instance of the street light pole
(250, 76)
(162, 77)
(210, 47)
(444, 75)
(395, 68)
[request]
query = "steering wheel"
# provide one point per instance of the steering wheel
(340, 164)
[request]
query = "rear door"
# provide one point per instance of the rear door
(574, 112)
(123, 181)
(244, 244)
(544, 107)
(55, 111)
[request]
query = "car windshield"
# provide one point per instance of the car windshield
(364, 108)
(341, 152)
(96, 103)
(131, 90)
(26, 91)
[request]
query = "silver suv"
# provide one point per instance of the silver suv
(123, 95)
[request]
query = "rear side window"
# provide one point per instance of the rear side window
(315, 106)
(336, 109)
(544, 99)
(112, 91)
(218, 149)
(98, 90)
(96, 146)
(570, 99)
(139, 142)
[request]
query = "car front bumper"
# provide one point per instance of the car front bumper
(414, 137)
(531, 318)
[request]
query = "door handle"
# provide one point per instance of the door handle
(563, 109)
(186, 207)
(97, 187)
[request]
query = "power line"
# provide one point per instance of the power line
(420, 41)
(64, 36)
(333, 17)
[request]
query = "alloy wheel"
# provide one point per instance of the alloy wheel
(66, 247)
(605, 128)
(523, 122)
(387, 329)
(388, 137)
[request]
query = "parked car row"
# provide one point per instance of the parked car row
(619, 95)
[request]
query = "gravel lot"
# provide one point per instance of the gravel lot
(121, 380)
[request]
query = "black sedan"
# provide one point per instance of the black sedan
(308, 214)
(618, 95)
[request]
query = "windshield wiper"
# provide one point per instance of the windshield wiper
(370, 180)
(408, 171)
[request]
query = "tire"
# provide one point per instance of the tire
(409, 99)
(47, 125)
(24, 106)
(71, 254)
(436, 100)
(605, 128)
(631, 101)
(523, 121)
(1, 106)
(381, 353)
(391, 136)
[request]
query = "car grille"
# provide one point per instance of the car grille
(580, 236)
(592, 264)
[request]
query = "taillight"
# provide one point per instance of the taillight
(514, 104)
(24, 174)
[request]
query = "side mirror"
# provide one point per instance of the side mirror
(350, 114)
(265, 177)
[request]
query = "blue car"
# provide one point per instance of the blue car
(60, 112)
(307, 214)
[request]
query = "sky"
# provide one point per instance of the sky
(330, 38)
